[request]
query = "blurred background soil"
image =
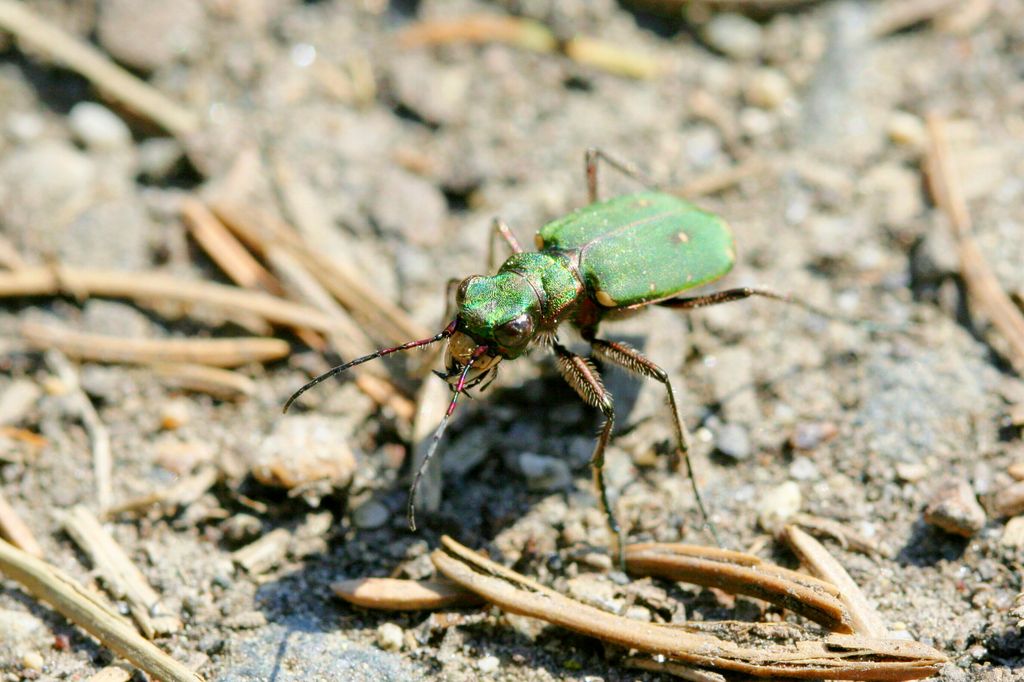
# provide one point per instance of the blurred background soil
(805, 122)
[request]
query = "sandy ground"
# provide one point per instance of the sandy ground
(407, 155)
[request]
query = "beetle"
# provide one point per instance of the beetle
(607, 258)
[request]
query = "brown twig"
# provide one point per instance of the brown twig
(115, 349)
(220, 383)
(844, 535)
(122, 579)
(391, 594)
(263, 231)
(896, 16)
(30, 438)
(232, 257)
(15, 531)
(480, 28)
(225, 250)
(863, 617)
(304, 287)
(86, 60)
(740, 573)
(99, 437)
(83, 608)
(145, 286)
(529, 35)
(834, 656)
(981, 281)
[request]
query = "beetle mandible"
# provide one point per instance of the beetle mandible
(585, 268)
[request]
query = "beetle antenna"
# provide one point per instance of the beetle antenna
(411, 511)
(440, 336)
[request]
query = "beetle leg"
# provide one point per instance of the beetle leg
(591, 158)
(729, 295)
(581, 374)
(499, 228)
(633, 360)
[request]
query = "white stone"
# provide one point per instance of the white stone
(734, 35)
(390, 637)
(98, 127)
(778, 506)
(488, 664)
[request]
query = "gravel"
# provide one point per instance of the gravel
(406, 155)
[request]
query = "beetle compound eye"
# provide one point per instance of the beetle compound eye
(515, 332)
(460, 293)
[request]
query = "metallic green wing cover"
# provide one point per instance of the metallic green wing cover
(640, 248)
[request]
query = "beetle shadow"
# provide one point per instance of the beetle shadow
(928, 545)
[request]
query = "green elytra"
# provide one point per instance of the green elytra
(620, 254)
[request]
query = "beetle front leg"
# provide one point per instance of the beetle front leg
(630, 358)
(581, 374)
(499, 228)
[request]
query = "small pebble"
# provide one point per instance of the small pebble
(637, 612)
(803, 469)
(17, 400)
(303, 449)
(174, 414)
(778, 505)
(734, 35)
(954, 508)
(97, 127)
(488, 664)
(390, 637)
(733, 440)
(756, 122)
(768, 89)
(369, 515)
(1013, 534)
(148, 34)
(32, 660)
(1016, 470)
(241, 527)
(906, 130)
(24, 126)
(543, 472)
(809, 435)
(1010, 500)
(158, 156)
(911, 472)
(896, 190)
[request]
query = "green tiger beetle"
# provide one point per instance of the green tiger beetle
(600, 261)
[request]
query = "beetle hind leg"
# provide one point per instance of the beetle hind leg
(594, 155)
(581, 374)
(633, 360)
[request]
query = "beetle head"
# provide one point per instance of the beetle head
(501, 312)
